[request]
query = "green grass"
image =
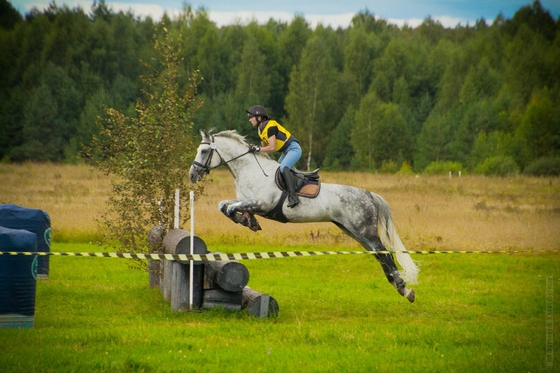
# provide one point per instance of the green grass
(475, 313)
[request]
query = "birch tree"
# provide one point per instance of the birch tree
(311, 95)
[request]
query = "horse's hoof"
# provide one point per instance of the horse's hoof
(252, 223)
(239, 218)
(411, 296)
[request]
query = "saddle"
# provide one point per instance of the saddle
(307, 184)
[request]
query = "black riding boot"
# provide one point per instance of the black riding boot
(292, 197)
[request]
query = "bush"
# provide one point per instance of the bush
(389, 167)
(443, 168)
(500, 165)
(406, 169)
(545, 166)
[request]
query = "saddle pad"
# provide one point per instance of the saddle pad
(304, 186)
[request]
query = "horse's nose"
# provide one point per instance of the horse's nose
(193, 174)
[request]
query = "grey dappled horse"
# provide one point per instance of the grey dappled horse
(361, 214)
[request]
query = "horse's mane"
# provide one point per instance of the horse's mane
(232, 134)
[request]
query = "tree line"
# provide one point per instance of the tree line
(369, 97)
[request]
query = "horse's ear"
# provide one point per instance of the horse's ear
(204, 134)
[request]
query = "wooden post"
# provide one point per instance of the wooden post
(176, 274)
(166, 282)
(259, 305)
(179, 292)
(154, 271)
(155, 267)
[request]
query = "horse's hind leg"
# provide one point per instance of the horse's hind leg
(390, 268)
(373, 243)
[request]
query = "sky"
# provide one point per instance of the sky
(334, 13)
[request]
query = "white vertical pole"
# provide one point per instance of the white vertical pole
(177, 209)
(191, 263)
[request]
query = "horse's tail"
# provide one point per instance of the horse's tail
(391, 240)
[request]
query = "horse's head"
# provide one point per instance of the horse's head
(224, 148)
(205, 160)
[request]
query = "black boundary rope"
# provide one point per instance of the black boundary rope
(262, 255)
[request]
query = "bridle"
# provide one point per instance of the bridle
(205, 168)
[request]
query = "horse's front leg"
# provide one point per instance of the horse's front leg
(241, 212)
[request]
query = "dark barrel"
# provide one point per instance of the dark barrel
(35, 221)
(18, 275)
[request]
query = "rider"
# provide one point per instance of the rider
(274, 137)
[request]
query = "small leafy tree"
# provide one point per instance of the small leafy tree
(150, 154)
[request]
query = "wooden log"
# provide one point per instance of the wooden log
(258, 304)
(176, 274)
(228, 275)
(222, 299)
(177, 241)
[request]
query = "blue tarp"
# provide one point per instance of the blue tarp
(17, 278)
(34, 220)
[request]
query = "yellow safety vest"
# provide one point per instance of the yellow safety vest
(273, 128)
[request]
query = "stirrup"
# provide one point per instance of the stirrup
(293, 200)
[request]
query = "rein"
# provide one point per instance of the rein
(206, 167)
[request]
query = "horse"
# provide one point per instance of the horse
(363, 215)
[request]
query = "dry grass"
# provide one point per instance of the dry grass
(468, 213)
(73, 196)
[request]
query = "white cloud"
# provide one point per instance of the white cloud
(245, 17)
(153, 10)
(337, 20)
(448, 22)
(453, 22)
(242, 17)
(139, 9)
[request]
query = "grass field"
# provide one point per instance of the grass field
(474, 312)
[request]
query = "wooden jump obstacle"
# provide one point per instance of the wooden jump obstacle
(216, 284)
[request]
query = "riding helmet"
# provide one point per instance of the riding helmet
(256, 111)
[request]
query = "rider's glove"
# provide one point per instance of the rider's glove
(254, 149)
